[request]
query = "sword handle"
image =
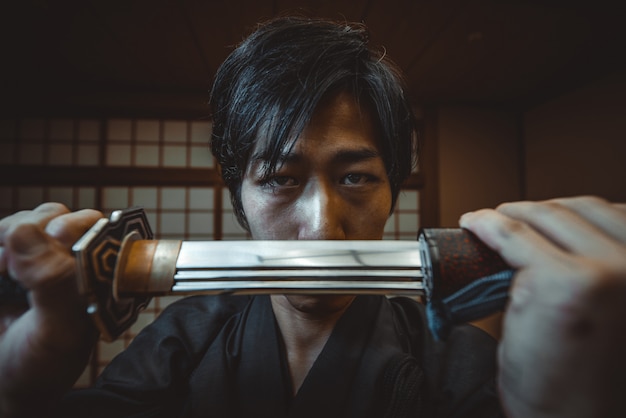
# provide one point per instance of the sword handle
(96, 254)
(464, 280)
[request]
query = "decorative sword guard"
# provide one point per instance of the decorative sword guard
(97, 254)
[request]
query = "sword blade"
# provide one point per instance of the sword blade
(337, 286)
(299, 254)
(224, 267)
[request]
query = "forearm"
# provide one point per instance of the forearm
(43, 353)
(32, 384)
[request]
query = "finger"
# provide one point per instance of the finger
(530, 253)
(563, 226)
(68, 228)
(57, 221)
(39, 216)
(518, 244)
(607, 216)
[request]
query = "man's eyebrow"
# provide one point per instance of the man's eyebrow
(356, 155)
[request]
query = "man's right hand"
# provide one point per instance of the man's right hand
(45, 346)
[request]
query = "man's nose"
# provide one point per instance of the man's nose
(321, 213)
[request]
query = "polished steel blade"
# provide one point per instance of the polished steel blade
(299, 254)
(298, 286)
(386, 267)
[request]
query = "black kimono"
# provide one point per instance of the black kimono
(222, 356)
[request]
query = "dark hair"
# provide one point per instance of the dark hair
(271, 84)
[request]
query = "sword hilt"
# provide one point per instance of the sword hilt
(464, 280)
(96, 254)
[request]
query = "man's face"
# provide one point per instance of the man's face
(332, 185)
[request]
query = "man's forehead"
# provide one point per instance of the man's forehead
(342, 111)
(294, 155)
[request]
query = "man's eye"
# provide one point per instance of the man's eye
(281, 181)
(356, 179)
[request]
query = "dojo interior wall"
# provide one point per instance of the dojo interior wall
(572, 144)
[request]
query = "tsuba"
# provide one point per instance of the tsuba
(96, 254)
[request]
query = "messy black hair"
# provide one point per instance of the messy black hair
(271, 84)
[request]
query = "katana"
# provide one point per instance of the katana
(120, 267)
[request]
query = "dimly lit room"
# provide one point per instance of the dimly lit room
(105, 105)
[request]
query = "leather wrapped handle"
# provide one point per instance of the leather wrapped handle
(464, 280)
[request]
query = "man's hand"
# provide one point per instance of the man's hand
(43, 347)
(563, 351)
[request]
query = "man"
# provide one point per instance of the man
(314, 136)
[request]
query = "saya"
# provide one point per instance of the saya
(120, 267)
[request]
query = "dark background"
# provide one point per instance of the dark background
(159, 56)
